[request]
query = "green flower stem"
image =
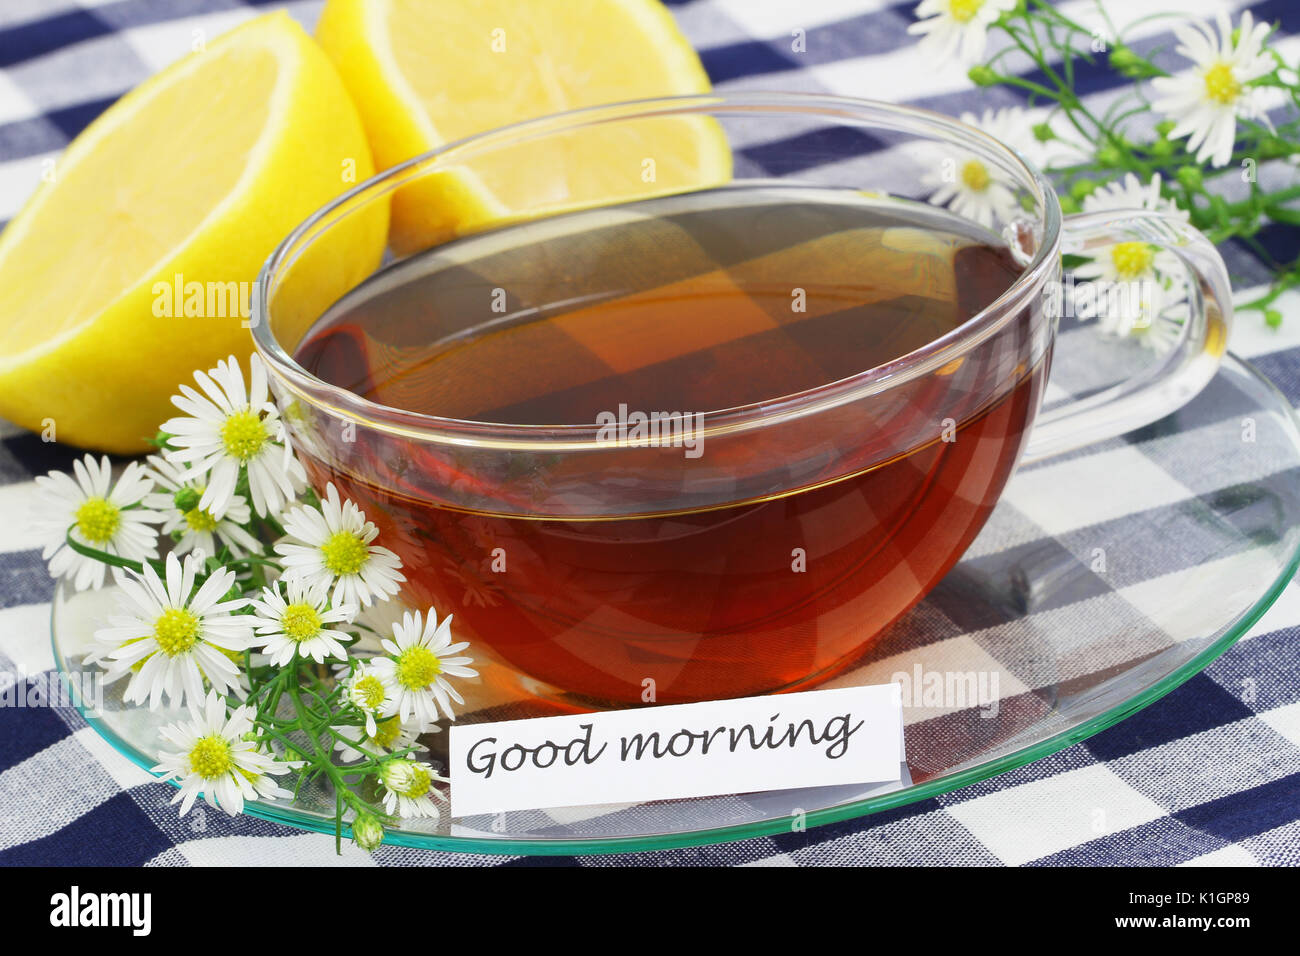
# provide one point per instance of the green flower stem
(344, 796)
(112, 560)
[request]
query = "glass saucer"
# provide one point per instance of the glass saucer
(1104, 579)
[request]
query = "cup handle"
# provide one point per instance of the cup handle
(1168, 384)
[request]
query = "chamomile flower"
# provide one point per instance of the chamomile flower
(228, 429)
(367, 692)
(295, 623)
(97, 513)
(197, 527)
(407, 786)
(1139, 281)
(1016, 127)
(956, 27)
(332, 545)
(1132, 284)
(1206, 101)
(178, 636)
(1130, 193)
(212, 758)
(376, 622)
(389, 736)
(973, 189)
(420, 659)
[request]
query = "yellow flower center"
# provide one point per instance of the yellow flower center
(1132, 259)
(98, 520)
(1221, 86)
(370, 691)
(420, 782)
(975, 175)
(200, 519)
(176, 631)
(963, 11)
(417, 667)
(300, 622)
(243, 434)
(344, 553)
(210, 758)
(386, 732)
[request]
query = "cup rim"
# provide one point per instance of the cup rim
(933, 355)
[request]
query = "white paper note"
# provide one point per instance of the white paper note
(811, 739)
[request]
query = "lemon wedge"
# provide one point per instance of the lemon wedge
(134, 265)
(427, 74)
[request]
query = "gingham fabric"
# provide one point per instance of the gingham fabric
(1208, 774)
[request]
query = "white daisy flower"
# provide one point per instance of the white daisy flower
(331, 545)
(407, 786)
(956, 27)
(389, 736)
(1130, 193)
(294, 623)
(212, 758)
(96, 513)
(367, 692)
(376, 622)
(421, 659)
(1206, 101)
(179, 637)
(1014, 126)
(1134, 282)
(229, 429)
(973, 189)
(198, 527)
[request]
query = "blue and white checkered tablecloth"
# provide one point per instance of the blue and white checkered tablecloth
(66, 797)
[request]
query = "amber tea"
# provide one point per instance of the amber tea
(626, 588)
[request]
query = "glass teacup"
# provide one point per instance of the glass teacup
(705, 432)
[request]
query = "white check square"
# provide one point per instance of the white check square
(1091, 490)
(1046, 816)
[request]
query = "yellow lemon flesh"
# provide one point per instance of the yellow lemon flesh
(427, 74)
(134, 265)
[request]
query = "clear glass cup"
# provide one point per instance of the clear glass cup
(616, 572)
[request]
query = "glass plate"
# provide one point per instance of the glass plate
(1165, 548)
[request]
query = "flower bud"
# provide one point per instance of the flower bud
(1109, 156)
(1043, 132)
(1080, 189)
(186, 499)
(982, 75)
(367, 832)
(1125, 61)
(397, 775)
(1190, 177)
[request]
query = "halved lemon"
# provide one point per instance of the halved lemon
(133, 266)
(426, 74)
